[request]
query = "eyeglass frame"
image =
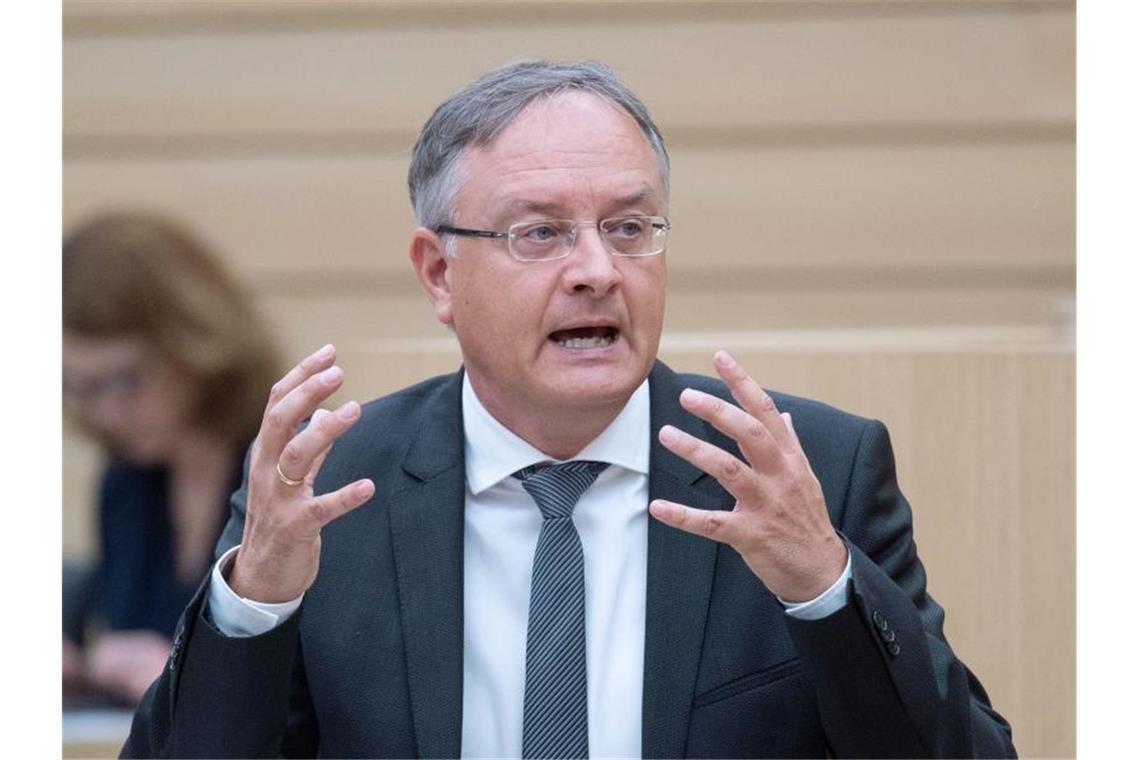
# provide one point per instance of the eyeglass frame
(121, 383)
(660, 222)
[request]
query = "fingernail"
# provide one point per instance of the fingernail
(723, 359)
(325, 352)
(364, 489)
(331, 375)
(347, 412)
(670, 434)
(689, 396)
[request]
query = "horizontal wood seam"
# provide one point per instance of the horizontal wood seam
(172, 146)
(319, 281)
(82, 20)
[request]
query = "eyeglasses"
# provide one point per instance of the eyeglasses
(546, 239)
(122, 384)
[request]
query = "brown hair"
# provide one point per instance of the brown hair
(143, 276)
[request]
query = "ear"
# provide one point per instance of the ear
(433, 268)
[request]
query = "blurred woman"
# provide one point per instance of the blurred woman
(164, 363)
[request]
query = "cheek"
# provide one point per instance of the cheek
(167, 407)
(499, 313)
(646, 294)
(156, 415)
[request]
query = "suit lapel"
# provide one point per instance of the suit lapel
(678, 582)
(427, 540)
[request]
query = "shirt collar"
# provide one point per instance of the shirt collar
(493, 453)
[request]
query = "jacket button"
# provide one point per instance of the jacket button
(887, 636)
(880, 621)
(893, 648)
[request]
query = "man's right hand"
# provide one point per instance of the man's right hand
(281, 543)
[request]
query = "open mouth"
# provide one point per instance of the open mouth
(585, 337)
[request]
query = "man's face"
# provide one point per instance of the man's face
(573, 156)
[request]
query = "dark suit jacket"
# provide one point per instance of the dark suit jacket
(372, 663)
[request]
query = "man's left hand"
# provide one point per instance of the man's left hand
(779, 525)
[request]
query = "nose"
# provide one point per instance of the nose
(590, 267)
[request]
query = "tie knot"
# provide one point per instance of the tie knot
(556, 488)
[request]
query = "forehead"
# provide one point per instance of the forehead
(573, 150)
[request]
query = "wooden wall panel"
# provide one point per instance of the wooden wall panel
(377, 72)
(935, 210)
(899, 206)
(781, 306)
(82, 463)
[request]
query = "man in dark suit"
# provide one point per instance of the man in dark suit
(566, 548)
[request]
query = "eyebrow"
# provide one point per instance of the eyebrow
(556, 209)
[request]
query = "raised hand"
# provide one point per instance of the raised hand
(779, 525)
(281, 543)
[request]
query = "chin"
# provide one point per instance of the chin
(592, 387)
(141, 453)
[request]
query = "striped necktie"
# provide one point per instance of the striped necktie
(554, 704)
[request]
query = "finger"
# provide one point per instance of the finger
(748, 393)
(787, 418)
(312, 364)
(327, 507)
(735, 476)
(713, 524)
(281, 420)
(755, 441)
(315, 467)
(303, 449)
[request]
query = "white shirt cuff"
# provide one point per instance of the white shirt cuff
(236, 616)
(832, 600)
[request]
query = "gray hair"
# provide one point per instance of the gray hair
(478, 113)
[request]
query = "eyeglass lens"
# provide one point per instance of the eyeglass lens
(553, 238)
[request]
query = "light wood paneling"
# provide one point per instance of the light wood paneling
(938, 210)
(957, 66)
(91, 750)
(82, 463)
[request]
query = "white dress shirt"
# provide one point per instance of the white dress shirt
(502, 524)
(501, 527)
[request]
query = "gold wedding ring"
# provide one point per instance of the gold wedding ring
(286, 479)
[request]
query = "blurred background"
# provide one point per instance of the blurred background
(873, 204)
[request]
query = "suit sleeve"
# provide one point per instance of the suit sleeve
(227, 697)
(887, 682)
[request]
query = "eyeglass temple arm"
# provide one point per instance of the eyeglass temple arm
(448, 229)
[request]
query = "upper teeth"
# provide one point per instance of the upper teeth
(594, 342)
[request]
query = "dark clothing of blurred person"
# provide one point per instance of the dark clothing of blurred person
(141, 586)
